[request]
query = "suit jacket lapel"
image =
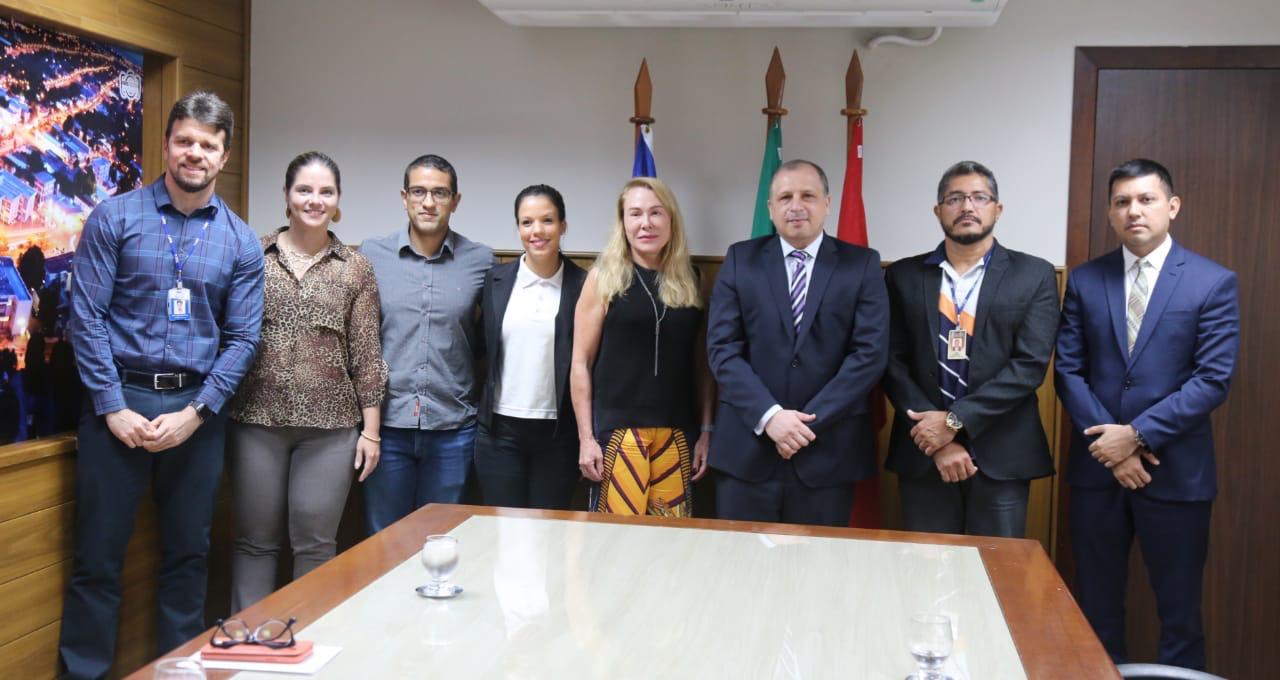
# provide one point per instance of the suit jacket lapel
(931, 284)
(570, 286)
(1113, 283)
(1160, 296)
(504, 281)
(987, 296)
(779, 281)
(823, 266)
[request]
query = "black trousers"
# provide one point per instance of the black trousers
(110, 481)
(783, 498)
(1174, 537)
(525, 463)
(978, 506)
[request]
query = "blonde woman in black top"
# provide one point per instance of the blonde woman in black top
(641, 390)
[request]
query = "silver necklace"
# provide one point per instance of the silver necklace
(657, 319)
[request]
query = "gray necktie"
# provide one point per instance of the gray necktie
(1137, 300)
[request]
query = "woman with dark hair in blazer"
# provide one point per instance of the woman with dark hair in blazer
(526, 444)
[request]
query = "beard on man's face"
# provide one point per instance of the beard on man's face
(969, 237)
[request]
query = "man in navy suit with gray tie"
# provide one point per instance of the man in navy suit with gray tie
(797, 336)
(1146, 349)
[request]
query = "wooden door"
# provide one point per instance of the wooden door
(1212, 116)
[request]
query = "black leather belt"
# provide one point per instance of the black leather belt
(161, 381)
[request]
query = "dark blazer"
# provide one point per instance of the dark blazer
(1179, 371)
(1014, 327)
(498, 284)
(827, 367)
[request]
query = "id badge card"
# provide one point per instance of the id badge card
(179, 304)
(957, 344)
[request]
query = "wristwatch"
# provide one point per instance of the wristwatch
(201, 410)
(953, 422)
(1140, 440)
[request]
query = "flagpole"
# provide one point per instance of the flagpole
(853, 110)
(644, 98)
(643, 164)
(775, 78)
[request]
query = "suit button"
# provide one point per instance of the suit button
(795, 363)
(1128, 382)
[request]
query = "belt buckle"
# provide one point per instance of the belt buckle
(166, 381)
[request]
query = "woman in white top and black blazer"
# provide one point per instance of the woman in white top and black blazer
(527, 445)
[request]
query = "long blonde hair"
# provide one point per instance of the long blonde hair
(677, 284)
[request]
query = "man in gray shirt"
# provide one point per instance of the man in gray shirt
(429, 281)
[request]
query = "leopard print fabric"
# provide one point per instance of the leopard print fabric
(320, 359)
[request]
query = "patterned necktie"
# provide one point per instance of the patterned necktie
(1137, 300)
(798, 281)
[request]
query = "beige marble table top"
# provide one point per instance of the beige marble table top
(551, 598)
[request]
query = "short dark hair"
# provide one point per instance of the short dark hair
(206, 108)
(308, 158)
(968, 168)
(796, 164)
(541, 190)
(1140, 167)
(433, 161)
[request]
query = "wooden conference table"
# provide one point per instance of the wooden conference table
(584, 595)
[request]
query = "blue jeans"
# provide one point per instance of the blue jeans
(110, 482)
(417, 467)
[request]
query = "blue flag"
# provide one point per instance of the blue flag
(644, 165)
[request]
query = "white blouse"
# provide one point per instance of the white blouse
(526, 385)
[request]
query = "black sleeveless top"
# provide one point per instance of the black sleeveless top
(625, 391)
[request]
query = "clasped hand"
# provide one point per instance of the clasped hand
(166, 431)
(790, 431)
(930, 432)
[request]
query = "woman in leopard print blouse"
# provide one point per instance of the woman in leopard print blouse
(307, 415)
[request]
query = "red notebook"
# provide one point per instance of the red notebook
(298, 653)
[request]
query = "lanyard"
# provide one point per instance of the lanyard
(976, 284)
(180, 262)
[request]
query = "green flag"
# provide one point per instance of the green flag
(761, 225)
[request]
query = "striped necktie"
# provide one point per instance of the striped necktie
(798, 281)
(1137, 300)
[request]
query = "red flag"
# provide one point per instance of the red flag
(853, 214)
(853, 229)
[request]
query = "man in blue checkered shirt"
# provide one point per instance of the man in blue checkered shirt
(166, 308)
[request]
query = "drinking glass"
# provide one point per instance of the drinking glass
(179, 669)
(440, 557)
(930, 638)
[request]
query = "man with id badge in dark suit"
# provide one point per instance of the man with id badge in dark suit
(166, 308)
(971, 329)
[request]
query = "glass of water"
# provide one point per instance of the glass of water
(179, 669)
(440, 557)
(930, 638)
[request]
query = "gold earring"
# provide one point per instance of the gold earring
(337, 215)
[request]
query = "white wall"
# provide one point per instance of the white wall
(378, 82)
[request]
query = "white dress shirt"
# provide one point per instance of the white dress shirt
(1156, 259)
(526, 386)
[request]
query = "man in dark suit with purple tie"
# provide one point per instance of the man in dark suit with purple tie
(1146, 350)
(797, 336)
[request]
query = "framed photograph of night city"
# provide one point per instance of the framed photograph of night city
(70, 136)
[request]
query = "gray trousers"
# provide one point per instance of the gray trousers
(298, 474)
(978, 506)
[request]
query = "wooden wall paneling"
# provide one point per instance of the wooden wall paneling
(34, 541)
(37, 485)
(32, 601)
(228, 187)
(228, 14)
(28, 657)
